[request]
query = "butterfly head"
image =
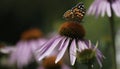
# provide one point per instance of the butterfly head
(80, 5)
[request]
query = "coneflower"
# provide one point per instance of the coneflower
(22, 53)
(71, 36)
(100, 7)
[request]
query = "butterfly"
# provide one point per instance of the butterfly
(76, 13)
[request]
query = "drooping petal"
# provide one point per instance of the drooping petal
(42, 49)
(116, 8)
(14, 55)
(41, 41)
(33, 45)
(24, 55)
(13, 58)
(92, 9)
(82, 45)
(7, 49)
(108, 9)
(79, 47)
(95, 48)
(118, 5)
(73, 52)
(100, 6)
(47, 44)
(61, 53)
(99, 61)
(62, 44)
(90, 44)
(104, 6)
(103, 9)
(50, 49)
(99, 53)
(53, 45)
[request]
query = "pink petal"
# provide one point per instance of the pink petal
(73, 52)
(47, 44)
(115, 9)
(7, 49)
(90, 44)
(24, 55)
(33, 45)
(82, 45)
(103, 9)
(41, 41)
(100, 63)
(61, 53)
(108, 9)
(92, 9)
(61, 46)
(50, 49)
(118, 5)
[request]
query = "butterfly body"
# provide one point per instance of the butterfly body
(76, 13)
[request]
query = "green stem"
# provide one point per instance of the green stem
(112, 27)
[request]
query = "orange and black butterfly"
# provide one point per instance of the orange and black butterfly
(76, 13)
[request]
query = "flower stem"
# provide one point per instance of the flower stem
(112, 27)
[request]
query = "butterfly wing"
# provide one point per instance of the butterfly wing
(68, 15)
(76, 13)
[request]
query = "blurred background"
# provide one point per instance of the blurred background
(16, 16)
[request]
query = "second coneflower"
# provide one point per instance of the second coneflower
(71, 37)
(23, 52)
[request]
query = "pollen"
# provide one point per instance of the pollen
(72, 30)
